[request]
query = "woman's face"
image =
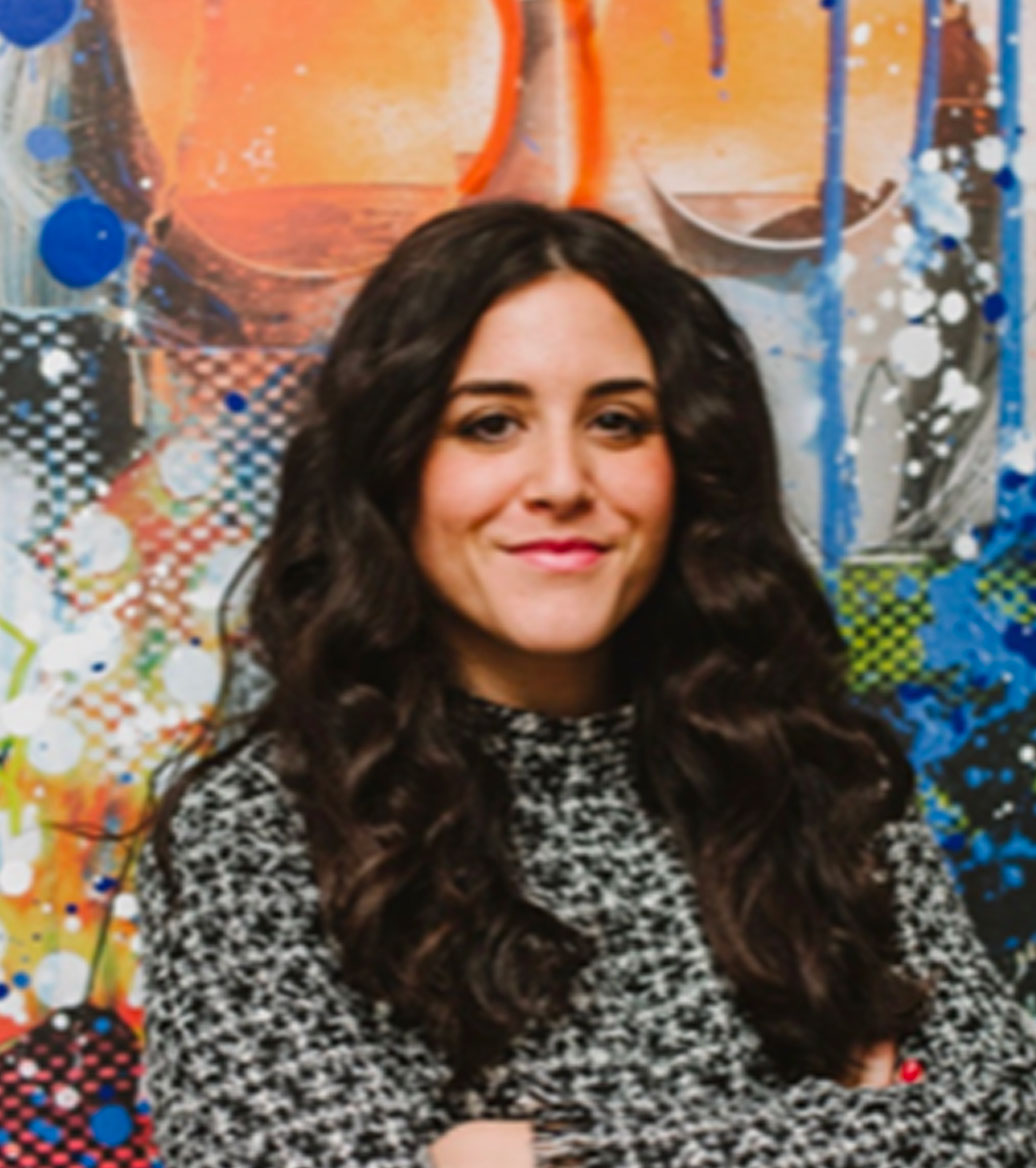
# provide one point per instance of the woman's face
(551, 435)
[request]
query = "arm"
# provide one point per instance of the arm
(974, 1107)
(256, 1055)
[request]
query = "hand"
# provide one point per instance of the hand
(875, 1067)
(481, 1143)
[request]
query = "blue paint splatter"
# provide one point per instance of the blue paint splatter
(928, 92)
(22, 981)
(236, 402)
(111, 1126)
(994, 307)
(28, 23)
(1004, 178)
(46, 143)
(44, 1131)
(1012, 228)
(907, 587)
(717, 39)
(839, 506)
(82, 241)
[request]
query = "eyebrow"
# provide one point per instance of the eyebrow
(599, 389)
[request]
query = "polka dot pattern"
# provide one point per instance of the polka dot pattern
(69, 1095)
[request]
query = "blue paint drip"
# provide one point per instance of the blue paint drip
(717, 39)
(29, 23)
(1012, 234)
(47, 143)
(82, 242)
(928, 93)
(839, 506)
(48, 1133)
(111, 1126)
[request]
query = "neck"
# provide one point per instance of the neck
(562, 686)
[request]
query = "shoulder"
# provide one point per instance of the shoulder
(236, 824)
(240, 792)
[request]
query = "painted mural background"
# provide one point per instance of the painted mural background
(190, 192)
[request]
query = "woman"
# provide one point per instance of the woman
(557, 838)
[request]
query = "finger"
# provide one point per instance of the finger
(878, 1066)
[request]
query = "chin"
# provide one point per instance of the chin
(562, 642)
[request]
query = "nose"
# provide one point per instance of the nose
(559, 473)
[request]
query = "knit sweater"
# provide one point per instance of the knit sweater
(259, 1055)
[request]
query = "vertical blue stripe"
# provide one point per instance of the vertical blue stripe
(928, 93)
(717, 39)
(838, 503)
(1012, 230)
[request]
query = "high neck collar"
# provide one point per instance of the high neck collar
(510, 730)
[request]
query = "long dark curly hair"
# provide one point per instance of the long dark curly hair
(747, 739)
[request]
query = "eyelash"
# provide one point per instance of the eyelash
(635, 427)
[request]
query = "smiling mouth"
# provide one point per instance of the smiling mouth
(561, 557)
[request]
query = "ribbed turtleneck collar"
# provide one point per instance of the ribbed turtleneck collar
(512, 734)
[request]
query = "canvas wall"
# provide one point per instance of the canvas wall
(190, 193)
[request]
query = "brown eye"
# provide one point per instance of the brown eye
(488, 427)
(623, 424)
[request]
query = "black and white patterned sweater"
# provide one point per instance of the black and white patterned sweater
(257, 1055)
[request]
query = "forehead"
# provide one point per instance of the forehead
(562, 325)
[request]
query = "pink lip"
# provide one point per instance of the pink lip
(574, 556)
(558, 545)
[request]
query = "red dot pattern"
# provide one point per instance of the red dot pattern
(85, 1057)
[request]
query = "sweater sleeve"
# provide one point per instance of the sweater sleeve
(256, 1053)
(976, 1105)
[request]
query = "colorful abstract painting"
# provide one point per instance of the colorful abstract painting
(190, 194)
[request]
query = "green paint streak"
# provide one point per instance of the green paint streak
(12, 750)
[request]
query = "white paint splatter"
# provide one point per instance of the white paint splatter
(191, 674)
(845, 266)
(61, 979)
(125, 906)
(914, 468)
(24, 714)
(1022, 455)
(965, 546)
(862, 34)
(956, 393)
(86, 651)
(904, 235)
(953, 306)
(100, 542)
(187, 468)
(916, 350)
(936, 199)
(55, 364)
(916, 301)
(66, 1097)
(990, 153)
(867, 324)
(56, 747)
(15, 878)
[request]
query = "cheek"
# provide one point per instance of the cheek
(456, 495)
(646, 490)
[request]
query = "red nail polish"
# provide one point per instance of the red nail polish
(912, 1071)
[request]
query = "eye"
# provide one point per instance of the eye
(487, 428)
(623, 424)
